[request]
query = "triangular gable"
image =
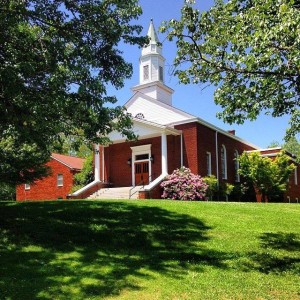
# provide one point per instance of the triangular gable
(154, 110)
(143, 129)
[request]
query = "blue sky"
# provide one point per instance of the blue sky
(193, 98)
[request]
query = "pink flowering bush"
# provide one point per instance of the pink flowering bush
(182, 184)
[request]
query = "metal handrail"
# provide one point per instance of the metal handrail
(142, 182)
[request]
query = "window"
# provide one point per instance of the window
(236, 166)
(208, 163)
(296, 176)
(223, 162)
(161, 73)
(146, 72)
(60, 179)
(27, 186)
(142, 157)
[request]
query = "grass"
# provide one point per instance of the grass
(149, 250)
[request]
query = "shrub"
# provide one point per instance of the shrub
(212, 186)
(182, 184)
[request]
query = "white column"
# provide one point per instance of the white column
(103, 165)
(181, 150)
(164, 154)
(97, 163)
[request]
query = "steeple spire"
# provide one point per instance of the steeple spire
(152, 33)
(154, 46)
(152, 69)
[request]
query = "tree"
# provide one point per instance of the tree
(248, 49)
(86, 175)
(269, 177)
(57, 58)
(182, 184)
(292, 145)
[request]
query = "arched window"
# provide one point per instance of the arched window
(223, 162)
(236, 166)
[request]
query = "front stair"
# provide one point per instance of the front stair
(114, 193)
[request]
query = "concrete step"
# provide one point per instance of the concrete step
(113, 193)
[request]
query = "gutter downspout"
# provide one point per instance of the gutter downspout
(217, 156)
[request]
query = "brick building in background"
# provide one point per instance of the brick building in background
(56, 186)
(168, 138)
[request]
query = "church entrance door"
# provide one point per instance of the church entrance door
(141, 170)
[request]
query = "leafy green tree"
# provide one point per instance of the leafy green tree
(57, 59)
(269, 177)
(292, 145)
(86, 175)
(74, 144)
(7, 192)
(248, 49)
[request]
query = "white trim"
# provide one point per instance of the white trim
(214, 128)
(60, 180)
(181, 150)
(208, 163)
(224, 162)
(27, 186)
(97, 163)
(217, 155)
(85, 188)
(296, 175)
(159, 103)
(138, 150)
(103, 165)
(236, 166)
(164, 153)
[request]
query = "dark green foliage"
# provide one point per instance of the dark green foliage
(248, 49)
(7, 192)
(56, 60)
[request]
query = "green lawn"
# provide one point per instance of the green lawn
(149, 250)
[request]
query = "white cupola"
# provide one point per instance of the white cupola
(152, 69)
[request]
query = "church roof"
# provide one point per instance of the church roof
(152, 33)
(155, 111)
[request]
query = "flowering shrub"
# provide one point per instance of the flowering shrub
(184, 185)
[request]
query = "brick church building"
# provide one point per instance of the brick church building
(168, 138)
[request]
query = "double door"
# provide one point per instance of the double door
(141, 173)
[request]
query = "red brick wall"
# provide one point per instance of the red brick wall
(231, 146)
(190, 146)
(47, 189)
(118, 172)
(199, 139)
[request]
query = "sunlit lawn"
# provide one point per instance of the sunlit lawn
(149, 250)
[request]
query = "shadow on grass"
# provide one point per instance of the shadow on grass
(77, 250)
(281, 253)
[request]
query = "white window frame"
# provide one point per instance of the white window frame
(208, 163)
(146, 72)
(27, 186)
(296, 176)
(161, 73)
(224, 162)
(60, 180)
(236, 166)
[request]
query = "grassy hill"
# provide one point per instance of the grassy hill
(149, 250)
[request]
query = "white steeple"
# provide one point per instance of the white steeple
(152, 69)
